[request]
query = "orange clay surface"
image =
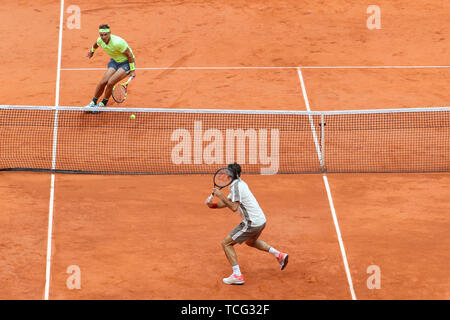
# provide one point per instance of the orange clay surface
(152, 237)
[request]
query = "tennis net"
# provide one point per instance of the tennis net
(188, 141)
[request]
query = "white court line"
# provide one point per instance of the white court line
(311, 120)
(263, 68)
(181, 68)
(52, 184)
(376, 67)
(338, 232)
(327, 187)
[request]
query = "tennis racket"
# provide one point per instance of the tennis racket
(119, 92)
(222, 178)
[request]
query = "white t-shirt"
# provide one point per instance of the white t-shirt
(249, 209)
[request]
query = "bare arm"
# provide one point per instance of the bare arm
(232, 205)
(129, 55)
(91, 53)
(218, 205)
(130, 61)
(221, 204)
(225, 201)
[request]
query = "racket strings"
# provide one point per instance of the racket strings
(222, 178)
(119, 93)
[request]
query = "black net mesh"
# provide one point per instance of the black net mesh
(160, 141)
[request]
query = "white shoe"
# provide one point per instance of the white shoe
(234, 279)
(91, 105)
(282, 260)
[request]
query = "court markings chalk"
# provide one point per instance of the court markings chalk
(55, 139)
(266, 68)
(327, 187)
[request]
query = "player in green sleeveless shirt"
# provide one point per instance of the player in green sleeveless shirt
(121, 65)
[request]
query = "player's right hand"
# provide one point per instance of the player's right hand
(90, 54)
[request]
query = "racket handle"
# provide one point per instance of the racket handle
(208, 201)
(131, 78)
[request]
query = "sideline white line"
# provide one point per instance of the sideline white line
(52, 184)
(338, 232)
(49, 238)
(311, 120)
(263, 68)
(327, 187)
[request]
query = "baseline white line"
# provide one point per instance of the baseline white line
(52, 184)
(263, 68)
(327, 187)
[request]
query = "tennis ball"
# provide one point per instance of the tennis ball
(132, 117)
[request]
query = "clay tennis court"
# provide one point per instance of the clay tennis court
(151, 236)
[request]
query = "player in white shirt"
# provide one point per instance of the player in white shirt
(253, 222)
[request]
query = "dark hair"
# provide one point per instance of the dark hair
(235, 169)
(104, 26)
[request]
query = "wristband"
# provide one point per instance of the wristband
(213, 205)
(132, 67)
(93, 49)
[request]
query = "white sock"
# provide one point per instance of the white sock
(236, 270)
(274, 251)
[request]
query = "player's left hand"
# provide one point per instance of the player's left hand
(133, 73)
(208, 200)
